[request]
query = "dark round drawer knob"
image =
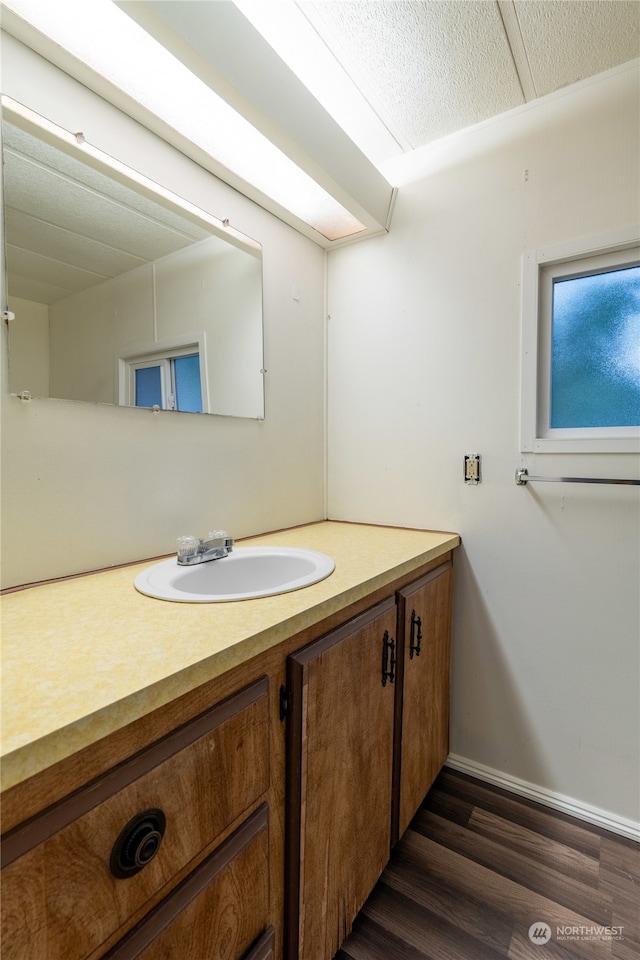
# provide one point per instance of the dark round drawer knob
(137, 843)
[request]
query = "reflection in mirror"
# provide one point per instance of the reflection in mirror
(122, 292)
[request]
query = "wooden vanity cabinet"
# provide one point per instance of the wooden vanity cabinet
(258, 814)
(70, 889)
(367, 733)
(421, 740)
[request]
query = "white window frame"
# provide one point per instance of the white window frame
(151, 354)
(620, 248)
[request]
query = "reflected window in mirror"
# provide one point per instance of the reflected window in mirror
(186, 383)
(150, 390)
(171, 382)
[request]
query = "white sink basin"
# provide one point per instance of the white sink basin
(247, 573)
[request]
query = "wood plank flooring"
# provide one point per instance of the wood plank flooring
(479, 866)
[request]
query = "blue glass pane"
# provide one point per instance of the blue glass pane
(148, 387)
(595, 352)
(188, 390)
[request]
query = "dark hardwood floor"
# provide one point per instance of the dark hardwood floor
(479, 866)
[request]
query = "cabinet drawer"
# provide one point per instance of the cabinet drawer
(61, 899)
(218, 912)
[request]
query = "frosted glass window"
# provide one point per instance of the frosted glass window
(580, 374)
(186, 371)
(148, 387)
(595, 350)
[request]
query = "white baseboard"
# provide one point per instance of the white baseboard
(557, 801)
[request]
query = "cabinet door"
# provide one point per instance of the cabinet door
(339, 756)
(218, 913)
(422, 707)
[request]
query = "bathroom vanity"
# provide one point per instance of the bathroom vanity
(219, 780)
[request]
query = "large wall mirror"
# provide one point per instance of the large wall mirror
(122, 292)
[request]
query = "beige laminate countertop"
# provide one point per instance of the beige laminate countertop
(83, 657)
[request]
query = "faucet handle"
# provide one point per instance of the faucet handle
(187, 546)
(217, 535)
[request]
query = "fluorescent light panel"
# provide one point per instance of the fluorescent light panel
(295, 32)
(104, 38)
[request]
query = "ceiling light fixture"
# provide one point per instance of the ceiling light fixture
(298, 35)
(91, 30)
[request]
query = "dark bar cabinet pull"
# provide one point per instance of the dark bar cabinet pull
(388, 659)
(415, 637)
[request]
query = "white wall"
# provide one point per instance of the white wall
(87, 330)
(29, 347)
(88, 485)
(424, 353)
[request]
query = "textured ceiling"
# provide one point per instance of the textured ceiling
(573, 39)
(426, 68)
(432, 67)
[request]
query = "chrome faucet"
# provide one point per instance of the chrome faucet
(196, 550)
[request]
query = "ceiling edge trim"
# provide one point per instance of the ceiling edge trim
(410, 167)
